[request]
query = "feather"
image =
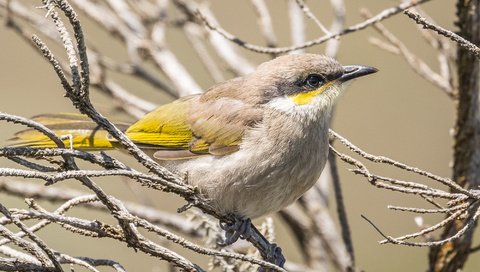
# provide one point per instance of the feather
(168, 155)
(76, 130)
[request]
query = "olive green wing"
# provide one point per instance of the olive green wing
(191, 127)
(165, 127)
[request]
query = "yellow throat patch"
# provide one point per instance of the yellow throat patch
(306, 98)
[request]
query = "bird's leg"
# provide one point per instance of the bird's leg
(240, 228)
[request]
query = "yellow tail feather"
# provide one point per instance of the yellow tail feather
(76, 131)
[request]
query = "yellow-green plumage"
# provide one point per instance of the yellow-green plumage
(84, 133)
(166, 126)
(171, 127)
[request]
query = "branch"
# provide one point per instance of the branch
(465, 203)
(446, 33)
(61, 195)
(279, 50)
(395, 46)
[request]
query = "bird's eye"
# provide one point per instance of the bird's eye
(314, 80)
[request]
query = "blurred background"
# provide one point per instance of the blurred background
(395, 113)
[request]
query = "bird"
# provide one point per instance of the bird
(251, 145)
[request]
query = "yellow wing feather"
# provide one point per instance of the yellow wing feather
(165, 127)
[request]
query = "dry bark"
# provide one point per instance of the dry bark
(466, 170)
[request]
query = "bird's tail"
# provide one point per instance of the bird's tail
(76, 130)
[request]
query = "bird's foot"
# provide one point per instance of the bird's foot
(240, 228)
(275, 256)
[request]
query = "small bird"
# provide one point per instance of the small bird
(251, 145)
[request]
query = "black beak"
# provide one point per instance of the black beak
(354, 71)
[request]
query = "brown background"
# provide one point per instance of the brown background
(394, 113)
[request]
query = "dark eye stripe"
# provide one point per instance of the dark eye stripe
(323, 79)
(332, 77)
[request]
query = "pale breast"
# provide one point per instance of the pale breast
(277, 162)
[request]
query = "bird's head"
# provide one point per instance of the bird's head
(306, 82)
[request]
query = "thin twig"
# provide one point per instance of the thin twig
(278, 50)
(49, 252)
(297, 25)
(416, 63)
(382, 159)
(311, 16)
(265, 22)
(446, 33)
(341, 211)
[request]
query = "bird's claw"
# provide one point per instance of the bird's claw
(240, 228)
(273, 255)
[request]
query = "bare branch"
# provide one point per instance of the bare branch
(52, 194)
(382, 159)
(278, 50)
(311, 16)
(341, 210)
(297, 25)
(446, 33)
(33, 237)
(265, 22)
(338, 24)
(417, 64)
(176, 239)
(462, 203)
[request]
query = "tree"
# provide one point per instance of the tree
(143, 28)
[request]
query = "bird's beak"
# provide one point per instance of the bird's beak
(354, 71)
